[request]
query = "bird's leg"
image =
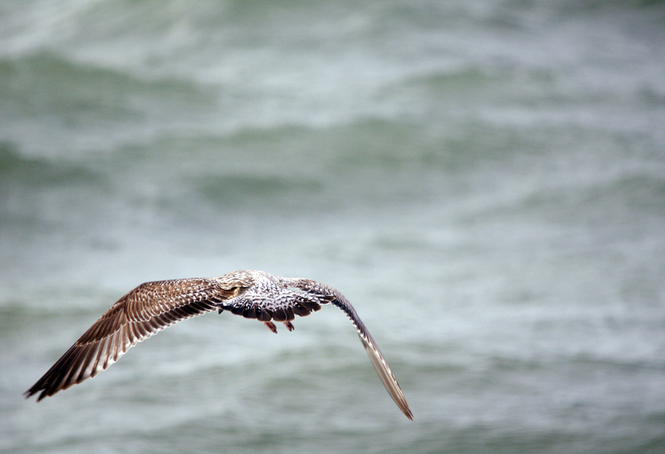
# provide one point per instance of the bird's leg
(289, 325)
(272, 326)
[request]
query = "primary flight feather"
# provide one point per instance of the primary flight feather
(153, 306)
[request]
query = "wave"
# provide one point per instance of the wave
(241, 189)
(17, 170)
(47, 81)
(69, 106)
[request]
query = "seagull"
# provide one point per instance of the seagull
(153, 306)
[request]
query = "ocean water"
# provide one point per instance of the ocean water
(484, 181)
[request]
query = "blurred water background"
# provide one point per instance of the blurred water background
(484, 180)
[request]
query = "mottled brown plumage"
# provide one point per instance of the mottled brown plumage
(153, 306)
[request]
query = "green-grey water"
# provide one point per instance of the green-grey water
(484, 181)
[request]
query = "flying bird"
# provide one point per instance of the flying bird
(153, 306)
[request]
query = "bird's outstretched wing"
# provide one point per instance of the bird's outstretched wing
(139, 314)
(378, 361)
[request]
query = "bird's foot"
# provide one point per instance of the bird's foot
(272, 326)
(289, 325)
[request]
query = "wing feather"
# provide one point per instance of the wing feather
(141, 313)
(376, 357)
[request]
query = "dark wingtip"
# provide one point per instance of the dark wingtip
(31, 392)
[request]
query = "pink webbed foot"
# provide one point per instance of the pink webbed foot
(271, 326)
(289, 325)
